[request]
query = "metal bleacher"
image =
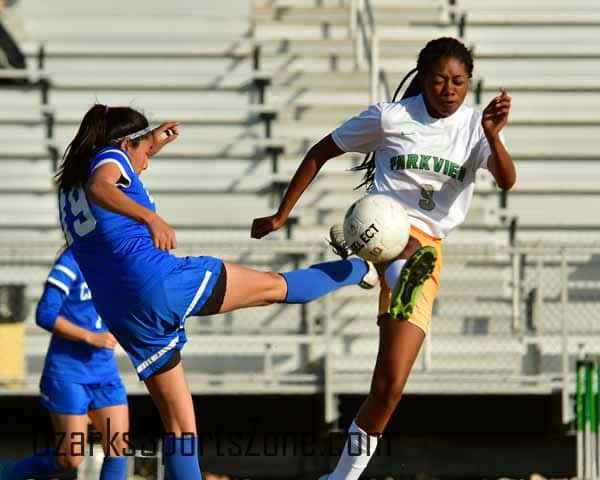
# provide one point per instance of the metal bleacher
(494, 318)
(255, 84)
(548, 58)
(186, 62)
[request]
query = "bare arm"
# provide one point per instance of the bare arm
(47, 316)
(102, 189)
(70, 331)
(500, 163)
(314, 159)
(168, 132)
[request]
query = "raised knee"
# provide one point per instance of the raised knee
(411, 247)
(277, 289)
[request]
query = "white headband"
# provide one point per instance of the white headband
(134, 135)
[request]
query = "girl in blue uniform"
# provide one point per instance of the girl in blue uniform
(80, 380)
(142, 291)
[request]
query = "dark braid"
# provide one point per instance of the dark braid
(428, 56)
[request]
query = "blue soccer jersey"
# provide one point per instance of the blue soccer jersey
(116, 253)
(66, 359)
(144, 294)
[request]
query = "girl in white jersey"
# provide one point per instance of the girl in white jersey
(427, 149)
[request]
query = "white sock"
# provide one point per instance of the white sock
(358, 450)
(392, 272)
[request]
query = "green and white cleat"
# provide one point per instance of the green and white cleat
(415, 273)
(6, 467)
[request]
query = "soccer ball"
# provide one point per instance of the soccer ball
(376, 228)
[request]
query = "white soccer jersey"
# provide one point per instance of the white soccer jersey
(427, 163)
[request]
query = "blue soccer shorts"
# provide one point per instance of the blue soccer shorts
(151, 331)
(70, 398)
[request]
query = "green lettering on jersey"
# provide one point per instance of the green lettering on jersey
(397, 163)
(446, 165)
(453, 170)
(411, 161)
(422, 162)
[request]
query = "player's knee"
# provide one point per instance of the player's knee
(69, 462)
(411, 247)
(276, 288)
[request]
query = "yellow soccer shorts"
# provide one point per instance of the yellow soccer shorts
(421, 316)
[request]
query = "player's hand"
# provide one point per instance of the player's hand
(265, 225)
(168, 132)
(162, 234)
(495, 115)
(102, 340)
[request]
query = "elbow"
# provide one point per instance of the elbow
(509, 183)
(506, 181)
(44, 319)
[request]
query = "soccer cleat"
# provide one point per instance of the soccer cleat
(6, 467)
(415, 273)
(324, 477)
(337, 241)
(371, 278)
(340, 248)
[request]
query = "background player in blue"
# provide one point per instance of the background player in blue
(80, 379)
(143, 292)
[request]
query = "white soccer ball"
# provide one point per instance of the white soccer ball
(376, 228)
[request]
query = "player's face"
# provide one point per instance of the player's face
(446, 87)
(139, 155)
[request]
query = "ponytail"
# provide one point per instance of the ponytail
(428, 56)
(414, 88)
(92, 132)
(100, 127)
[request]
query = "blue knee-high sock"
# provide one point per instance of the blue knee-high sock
(114, 468)
(38, 465)
(311, 283)
(181, 458)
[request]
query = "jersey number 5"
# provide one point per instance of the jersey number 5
(79, 208)
(426, 202)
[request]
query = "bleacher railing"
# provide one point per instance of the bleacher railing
(363, 32)
(507, 320)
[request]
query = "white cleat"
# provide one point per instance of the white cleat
(371, 278)
(338, 242)
(340, 248)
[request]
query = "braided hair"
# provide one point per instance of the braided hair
(428, 56)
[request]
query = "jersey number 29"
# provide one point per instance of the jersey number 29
(83, 219)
